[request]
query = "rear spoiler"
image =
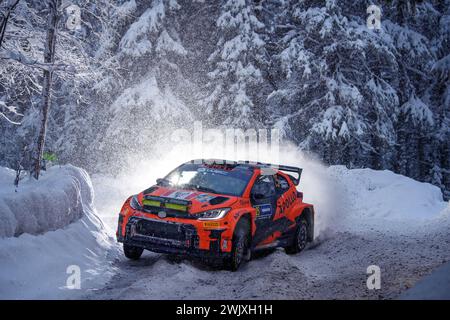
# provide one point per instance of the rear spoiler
(296, 170)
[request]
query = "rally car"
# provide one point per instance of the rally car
(218, 210)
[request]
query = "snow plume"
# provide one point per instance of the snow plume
(184, 145)
(319, 188)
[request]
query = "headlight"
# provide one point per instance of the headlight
(213, 214)
(134, 203)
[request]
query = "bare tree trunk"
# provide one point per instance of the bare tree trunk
(49, 55)
(4, 19)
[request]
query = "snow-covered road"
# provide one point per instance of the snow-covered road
(386, 220)
(334, 269)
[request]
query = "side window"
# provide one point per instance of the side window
(264, 187)
(281, 184)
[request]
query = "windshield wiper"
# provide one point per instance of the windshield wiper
(206, 189)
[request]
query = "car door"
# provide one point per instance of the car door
(263, 199)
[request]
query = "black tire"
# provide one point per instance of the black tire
(240, 250)
(131, 252)
(300, 238)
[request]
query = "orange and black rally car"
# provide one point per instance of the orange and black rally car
(218, 209)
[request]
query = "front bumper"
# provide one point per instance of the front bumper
(172, 238)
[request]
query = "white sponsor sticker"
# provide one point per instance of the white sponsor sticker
(180, 194)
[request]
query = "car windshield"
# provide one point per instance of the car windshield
(220, 180)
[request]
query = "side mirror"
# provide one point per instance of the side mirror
(161, 181)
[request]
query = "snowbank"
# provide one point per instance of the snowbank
(386, 196)
(52, 202)
(47, 227)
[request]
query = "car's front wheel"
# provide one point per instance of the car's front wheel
(132, 252)
(240, 248)
(300, 238)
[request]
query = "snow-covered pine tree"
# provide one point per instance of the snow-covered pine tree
(147, 108)
(406, 24)
(333, 98)
(438, 96)
(236, 81)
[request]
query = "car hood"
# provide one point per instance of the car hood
(199, 201)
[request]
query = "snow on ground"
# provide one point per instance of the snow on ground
(365, 217)
(47, 226)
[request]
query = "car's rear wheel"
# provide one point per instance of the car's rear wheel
(300, 238)
(132, 252)
(240, 249)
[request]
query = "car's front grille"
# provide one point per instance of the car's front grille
(158, 229)
(162, 230)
